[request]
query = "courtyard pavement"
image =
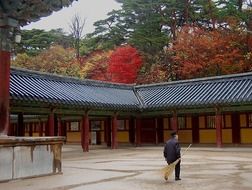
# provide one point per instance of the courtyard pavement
(139, 168)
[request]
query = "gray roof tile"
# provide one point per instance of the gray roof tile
(212, 91)
(34, 86)
(37, 87)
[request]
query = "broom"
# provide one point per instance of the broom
(167, 170)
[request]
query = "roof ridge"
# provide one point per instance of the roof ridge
(139, 98)
(62, 78)
(204, 79)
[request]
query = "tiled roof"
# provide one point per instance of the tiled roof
(211, 91)
(31, 86)
(45, 88)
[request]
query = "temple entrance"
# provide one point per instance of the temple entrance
(96, 127)
(148, 131)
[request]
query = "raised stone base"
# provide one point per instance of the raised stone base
(23, 157)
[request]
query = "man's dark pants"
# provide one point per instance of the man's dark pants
(177, 170)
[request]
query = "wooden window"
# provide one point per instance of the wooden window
(210, 122)
(27, 127)
(35, 127)
(227, 121)
(166, 123)
(181, 122)
(74, 126)
(96, 125)
(202, 122)
(189, 122)
(121, 126)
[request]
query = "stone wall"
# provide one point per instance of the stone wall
(23, 157)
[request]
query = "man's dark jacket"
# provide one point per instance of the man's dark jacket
(171, 150)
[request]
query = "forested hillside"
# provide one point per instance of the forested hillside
(149, 41)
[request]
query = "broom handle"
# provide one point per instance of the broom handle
(175, 162)
(186, 149)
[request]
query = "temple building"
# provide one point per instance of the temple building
(213, 110)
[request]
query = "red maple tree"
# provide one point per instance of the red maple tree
(124, 65)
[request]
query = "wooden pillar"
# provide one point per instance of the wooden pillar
(60, 125)
(138, 131)
(51, 124)
(41, 128)
(64, 129)
(132, 130)
(20, 125)
(85, 133)
(174, 122)
(156, 130)
(114, 139)
(236, 128)
(31, 129)
(4, 91)
(56, 125)
(218, 124)
(107, 129)
(11, 131)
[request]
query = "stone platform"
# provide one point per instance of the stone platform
(23, 157)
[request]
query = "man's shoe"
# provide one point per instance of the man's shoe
(177, 179)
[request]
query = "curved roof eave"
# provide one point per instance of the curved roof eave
(67, 91)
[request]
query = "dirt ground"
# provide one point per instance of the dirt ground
(140, 169)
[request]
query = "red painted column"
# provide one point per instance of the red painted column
(20, 125)
(64, 129)
(31, 129)
(138, 131)
(107, 131)
(60, 127)
(85, 133)
(218, 124)
(114, 144)
(41, 128)
(132, 126)
(11, 130)
(156, 130)
(174, 121)
(51, 124)
(4, 91)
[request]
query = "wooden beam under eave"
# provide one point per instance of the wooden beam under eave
(233, 108)
(33, 108)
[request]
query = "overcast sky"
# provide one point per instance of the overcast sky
(92, 10)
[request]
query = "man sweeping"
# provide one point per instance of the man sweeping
(172, 154)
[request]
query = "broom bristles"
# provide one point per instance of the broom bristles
(167, 170)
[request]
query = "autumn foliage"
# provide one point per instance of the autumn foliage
(55, 60)
(94, 66)
(124, 65)
(152, 73)
(198, 53)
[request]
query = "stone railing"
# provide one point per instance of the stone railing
(24, 157)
